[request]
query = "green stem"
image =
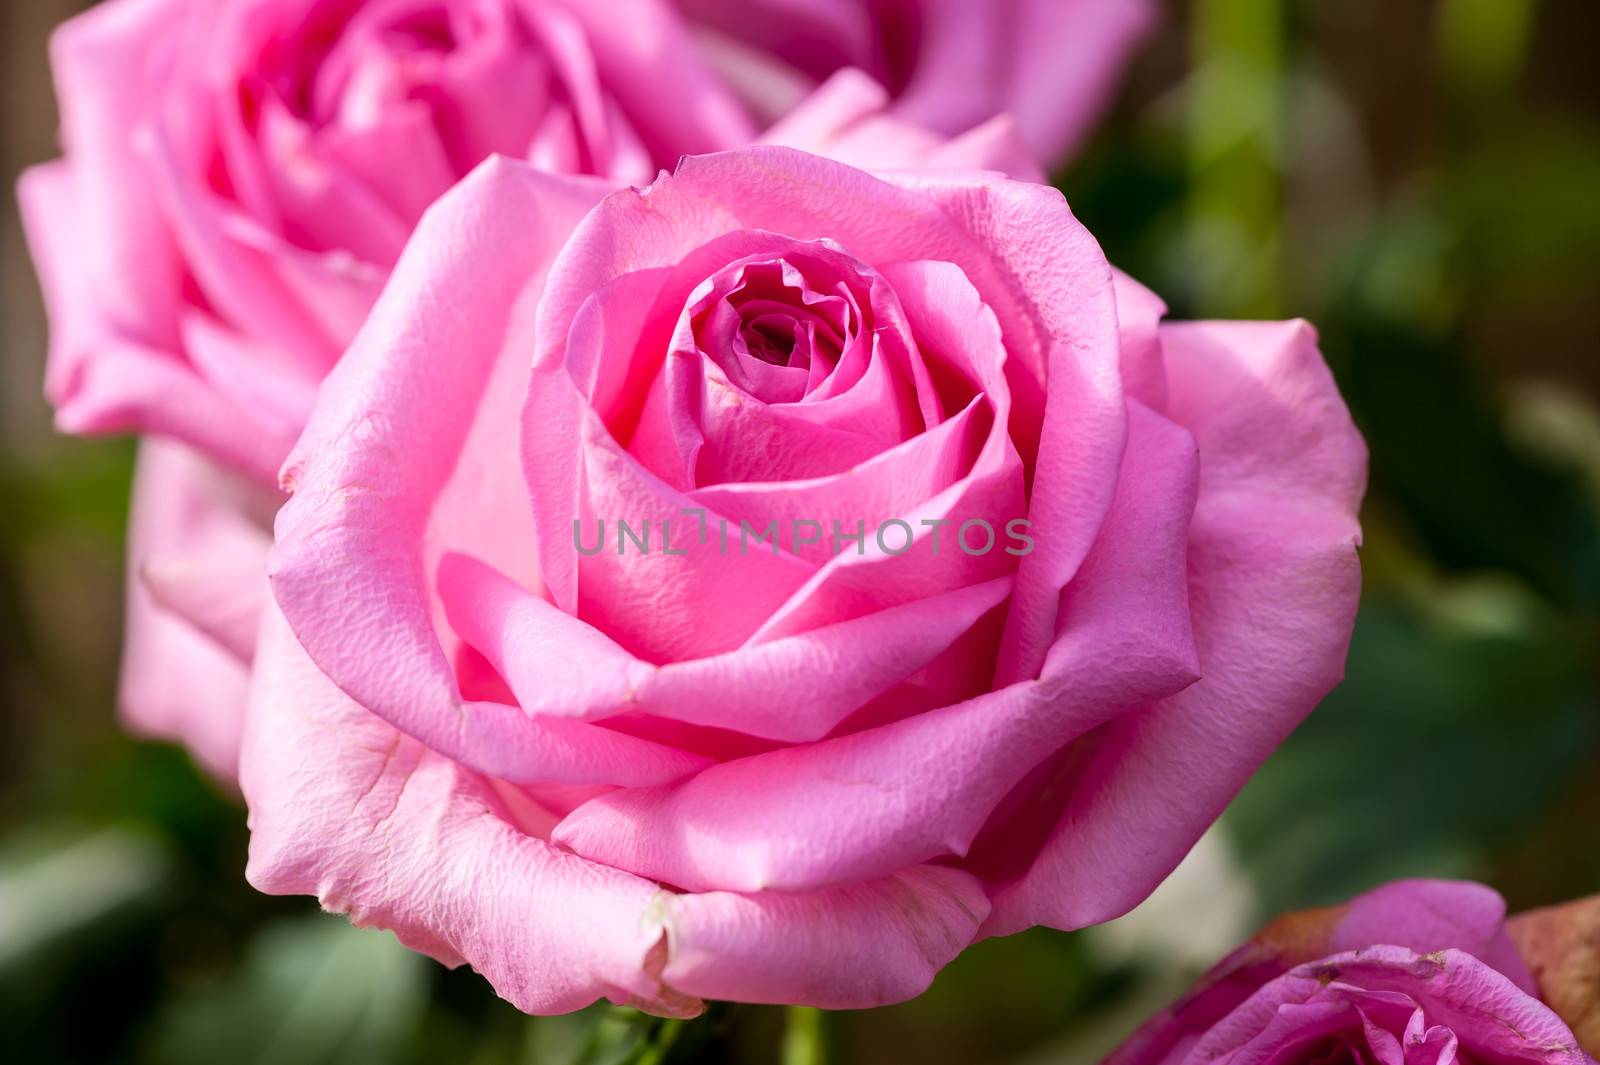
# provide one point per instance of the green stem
(661, 1042)
(805, 1037)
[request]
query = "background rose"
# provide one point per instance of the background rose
(949, 63)
(197, 547)
(239, 179)
(781, 776)
(1416, 971)
(240, 176)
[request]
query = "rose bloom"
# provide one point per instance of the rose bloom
(239, 179)
(799, 770)
(240, 176)
(1415, 973)
(950, 63)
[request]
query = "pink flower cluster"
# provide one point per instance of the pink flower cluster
(402, 294)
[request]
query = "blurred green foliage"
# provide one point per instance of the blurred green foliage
(1417, 179)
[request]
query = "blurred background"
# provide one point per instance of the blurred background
(1420, 179)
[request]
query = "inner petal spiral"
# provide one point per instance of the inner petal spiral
(790, 361)
(773, 332)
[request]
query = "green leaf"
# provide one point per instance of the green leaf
(313, 991)
(1440, 748)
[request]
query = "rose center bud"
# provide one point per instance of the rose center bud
(787, 362)
(332, 95)
(1341, 1053)
(773, 340)
(442, 60)
(774, 332)
(377, 65)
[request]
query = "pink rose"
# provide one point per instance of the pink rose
(197, 546)
(1419, 972)
(941, 590)
(239, 179)
(241, 175)
(1054, 64)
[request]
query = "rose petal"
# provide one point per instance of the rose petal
(847, 118)
(371, 626)
(847, 98)
(806, 948)
(1052, 63)
(103, 379)
(648, 600)
(251, 377)
(1139, 314)
(213, 576)
(240, 283)
(958, 335)
(344, 807)
(1273, 580)
(796, 689)
(1069, 56)
(316, 205)
(656, 75)
(368, 151)
(1068, 350)
(993, 145)
(869, 803)
(104, 80)
(811, 37)
(179, 681)
(1432, 915)
(890, 485)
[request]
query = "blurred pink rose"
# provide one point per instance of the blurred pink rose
(666, 762)
(197, 546)
(240, 177)
(950, 64)
(1419, 972)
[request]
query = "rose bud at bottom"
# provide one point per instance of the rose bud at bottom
(1419, 972)
(765, 583)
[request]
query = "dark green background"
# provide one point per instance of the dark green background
(1420, 179)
